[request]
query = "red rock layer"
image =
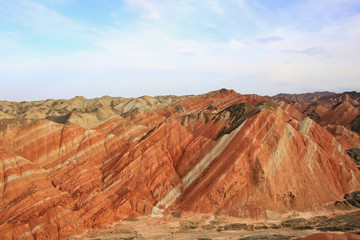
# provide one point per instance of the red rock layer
(247, 177)
(335, 112)
(342, 114)
(220, 152)
(332, 236)
(31, 208)
(346, 137)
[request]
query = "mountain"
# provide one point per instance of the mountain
(303, 97)
(73, 165)
(317, 96)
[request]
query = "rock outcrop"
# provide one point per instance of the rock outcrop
(70, 165)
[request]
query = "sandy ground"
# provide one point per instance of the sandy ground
(192, 226)
(208, 235)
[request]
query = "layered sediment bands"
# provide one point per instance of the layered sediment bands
(341, 114)
(246, 178)
(315, 108)
(239, 113)
(70, 165)
(338, 113)
(290, 110)
(30, 206)
(346, 137)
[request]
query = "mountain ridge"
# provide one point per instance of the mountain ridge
(217, 153)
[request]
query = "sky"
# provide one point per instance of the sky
(66, 48)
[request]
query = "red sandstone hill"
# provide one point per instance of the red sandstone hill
(337, 113)
(70, 165)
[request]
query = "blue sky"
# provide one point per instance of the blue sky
(65, 48)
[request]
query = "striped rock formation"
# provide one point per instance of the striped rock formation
(337, 113)
(70, 165)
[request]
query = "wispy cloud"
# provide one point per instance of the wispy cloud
(314, 51)
(269, 39)
(189, 54)
(161, 47)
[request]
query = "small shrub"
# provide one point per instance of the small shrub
(336, 229)
(235, 226)
(176, 214)
(130, 219)
(262, 226)
(293, 222)
(302, 227)
(208, 227)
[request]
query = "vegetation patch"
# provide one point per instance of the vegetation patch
(335, 229)
(208, 227)
(188, 225)
(214, 222)
(293, 222)
(130, 219)
(176, 214)
(342, 223)
(261, 226)
(305, 227)
(235, 226)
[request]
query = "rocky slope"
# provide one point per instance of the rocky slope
(71, 165)
(318, 96)
(338, 113)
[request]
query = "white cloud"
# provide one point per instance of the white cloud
(271, 39)
(313, 51)
(189, 54)
(235, 44)
(148, 58)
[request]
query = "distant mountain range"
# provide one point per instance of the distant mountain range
(305, 97)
